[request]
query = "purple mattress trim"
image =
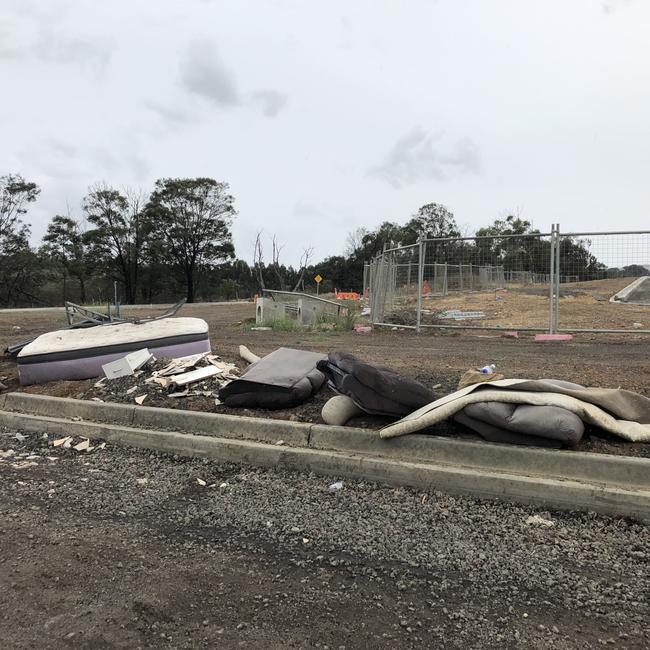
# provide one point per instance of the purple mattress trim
(89, 367)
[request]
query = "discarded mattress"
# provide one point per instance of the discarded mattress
(617, 411)
(375, 390)
(282, 379)
(80, 354)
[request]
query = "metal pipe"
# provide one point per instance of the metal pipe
(420, 283)
(558, 270)
(551, 307)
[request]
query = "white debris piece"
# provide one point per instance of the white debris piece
(538, 520)
(84, 445)
(127, 365)
(140, 399)
(62, 441)
(132, 390)
(20, 437)
(200, 481)
(7, 454)
(196, 375)
(180, 365)
(142, 481)
(455, 314)
(335, 487)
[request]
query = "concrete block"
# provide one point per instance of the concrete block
(267, 310)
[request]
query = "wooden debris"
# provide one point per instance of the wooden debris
(140, 399)
(62, 441)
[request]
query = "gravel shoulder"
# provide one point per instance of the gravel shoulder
(122, 548)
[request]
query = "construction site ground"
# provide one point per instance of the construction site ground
(583, 305)
(436, 358)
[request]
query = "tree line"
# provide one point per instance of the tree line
(176, 241)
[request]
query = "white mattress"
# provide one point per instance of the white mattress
(114, 335)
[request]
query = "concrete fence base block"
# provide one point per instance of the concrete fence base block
(549, 338)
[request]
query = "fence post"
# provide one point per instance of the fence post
(551, 284)
(418, 317)
(556, 325)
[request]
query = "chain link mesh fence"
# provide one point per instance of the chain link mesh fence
(537, 282)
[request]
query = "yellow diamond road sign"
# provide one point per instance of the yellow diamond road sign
(318, 279)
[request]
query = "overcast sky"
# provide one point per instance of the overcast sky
(327, 116)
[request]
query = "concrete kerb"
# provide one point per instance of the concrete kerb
(626, 291)
(597, 469)
(549, 492)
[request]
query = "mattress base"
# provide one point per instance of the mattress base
(89, 367)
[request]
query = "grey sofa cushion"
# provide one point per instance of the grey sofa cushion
(282, 379)
(375, 390)
(547, 422)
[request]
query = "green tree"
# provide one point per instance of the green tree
(18, 267)
(119, 234)
(191, 219)
(68, 245)
(432, 221)
(15, 195)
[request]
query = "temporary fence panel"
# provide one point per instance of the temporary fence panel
(604, 282)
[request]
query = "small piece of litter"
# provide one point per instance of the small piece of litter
(132, 390)
(200, 481)
(537, 520)
(101, 446)
(140, 399)
(261, 329)
(437, 386)
(217, 402)
(7, 454)
(44, 436)
(279, 443)
(97, 399)
(305, 540)
(62, 441)
(20, 437)
(223, 485)
(84, 445)
(335, 487)
(142, 481)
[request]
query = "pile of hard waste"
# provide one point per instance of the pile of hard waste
(202, 374)
(177, 362)
(548, 412)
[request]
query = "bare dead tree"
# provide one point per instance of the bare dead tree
(258, 260)
(277, 249)
(305, 258)
(354, 241)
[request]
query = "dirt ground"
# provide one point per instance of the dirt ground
(435, 358)
(582, 305)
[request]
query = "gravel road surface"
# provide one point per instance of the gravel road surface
(120, 548)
